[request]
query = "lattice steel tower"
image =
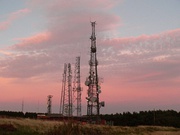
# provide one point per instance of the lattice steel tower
(93, 104)
(49, 104)
(77, 86)
(66, 92)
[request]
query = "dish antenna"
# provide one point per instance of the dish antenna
(99, 91)
(87, 83)
(102, 104)
(93, 99)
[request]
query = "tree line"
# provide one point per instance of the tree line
(156, 118)
(18, 114)
(152, 118)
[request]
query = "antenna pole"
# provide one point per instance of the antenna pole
(93, 104)
(22, 106)
(66, 93)
(49, 104)
(77, 86)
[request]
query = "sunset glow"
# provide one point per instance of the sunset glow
(138, 50)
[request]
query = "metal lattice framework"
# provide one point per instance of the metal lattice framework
(49, 104)
(63, 89)
(66, 93)
(93, 106)
(77, 85)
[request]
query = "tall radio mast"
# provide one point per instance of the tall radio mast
(93, 104)
(77, 86)
(66, 93)
(49, 104)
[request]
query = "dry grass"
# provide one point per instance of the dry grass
(42, 127)
(68, 129)
(32, 125)
(146, 130)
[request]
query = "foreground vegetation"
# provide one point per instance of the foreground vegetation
(22, 126)
(168, 118)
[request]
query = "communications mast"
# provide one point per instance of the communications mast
(49, 104)
(66, 105)
(77, 86)
(93, 104)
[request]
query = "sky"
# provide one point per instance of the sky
(138, 51)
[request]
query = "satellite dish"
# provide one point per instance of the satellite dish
(90, 94)
(99, 91)
(102, 103)
(87, 98)
(93, 99)
(87, 83)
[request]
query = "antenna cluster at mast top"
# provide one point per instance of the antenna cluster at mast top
(93, 38)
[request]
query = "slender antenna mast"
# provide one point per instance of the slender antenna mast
(66, 93)
(63, 90)
(22, 105)
(49, 104)
(77, 85)
(93, 104)
(38, 107)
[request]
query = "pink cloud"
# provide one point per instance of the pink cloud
(69, 23)
(173, 34)
(12, 17)
(4, 25)
(68, 20)
(33, 41)
(148, 61)
(122, 54)
(19, 13)
(55, 4)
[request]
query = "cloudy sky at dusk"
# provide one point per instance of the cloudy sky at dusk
(138, 46)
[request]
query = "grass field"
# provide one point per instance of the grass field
(11, 126)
